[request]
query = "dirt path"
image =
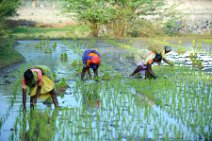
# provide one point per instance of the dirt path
(42, 17)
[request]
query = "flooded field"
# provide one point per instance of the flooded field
(176, 106)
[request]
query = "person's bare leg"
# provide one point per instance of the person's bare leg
(89, 73)
(54, 98)
(139, 68)
(95, 71)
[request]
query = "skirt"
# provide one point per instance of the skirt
(46, 87)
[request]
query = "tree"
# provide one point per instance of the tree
(7, 8)
(119, 15)
(92, 12)
(128, 12)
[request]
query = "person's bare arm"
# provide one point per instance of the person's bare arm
(167, 62)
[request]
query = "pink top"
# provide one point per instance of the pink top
(39, 78)
(150, 57)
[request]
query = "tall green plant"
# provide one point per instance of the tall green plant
(118, 15)
(7, 8)
(126, 12)
(92, 12)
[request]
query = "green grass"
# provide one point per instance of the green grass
(209, 41)
(8, 54)
(26, 30)
(44, 32)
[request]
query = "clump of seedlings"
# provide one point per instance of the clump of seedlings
(76, 63)
(54, 46)
(196, 62)
(180, 50)
(48, 50)
(64, 57)
(38, 46)
(199, 46)
(62, 85)
(106, 76)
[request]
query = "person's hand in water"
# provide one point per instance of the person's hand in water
(131, 75)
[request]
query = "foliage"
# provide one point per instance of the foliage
(196, 62)
(209, 41)
(7, 8)
(48, 50)
(54, 46)
(126, 13)
(64, 57)
(93, 12)
(118, 15)
(180, 50)
(35, 125)
(76, 63)
(62, 85)
(106, 76)
(46, 33)
(172, 27)
(8, 54)
(145, 28)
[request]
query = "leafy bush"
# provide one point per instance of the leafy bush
(146, 28)
(172, 27)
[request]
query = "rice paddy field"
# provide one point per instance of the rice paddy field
(176, 106)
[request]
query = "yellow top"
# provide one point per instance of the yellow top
(144, 56)
(158, 49)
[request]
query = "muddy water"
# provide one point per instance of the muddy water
(112, 56)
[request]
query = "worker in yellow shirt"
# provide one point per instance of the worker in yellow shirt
(144, 61)
(162, 50)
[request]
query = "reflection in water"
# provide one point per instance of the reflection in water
(38, 125)
(90, 96)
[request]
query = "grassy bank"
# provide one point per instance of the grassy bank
(8, 54)
(77, 31)
(73, 31)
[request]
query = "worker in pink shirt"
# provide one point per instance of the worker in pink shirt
(39, 83)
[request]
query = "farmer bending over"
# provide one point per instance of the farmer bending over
(36, 78)
(91, 59)
(162, 50)
(144, 61)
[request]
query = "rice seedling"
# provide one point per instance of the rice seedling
(62, 85)
(63, 57)
(48, 50)
(54, 46)
(175, 106)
